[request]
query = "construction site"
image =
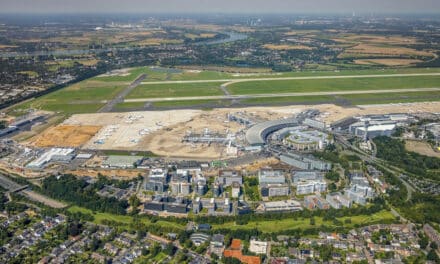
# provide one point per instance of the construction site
(192, 134)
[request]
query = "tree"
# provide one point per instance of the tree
(312, 221)
(432, 255)
(134, 201)
(3, 124)
(140, 234)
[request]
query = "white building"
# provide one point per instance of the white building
(311, 187)
(258, 247)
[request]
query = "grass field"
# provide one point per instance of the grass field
(289, 224)
(83, 97)
(354, 99)
(133, 73)
(124, 220)
(266, 226)
(321, 85)
(90, 95)
(176, 90)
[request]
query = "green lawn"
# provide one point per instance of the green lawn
(354, 99)
(124, 220)
(407, 97)
(176, 90)
(321, 85)
(82, 97)
(133, 74)
(289, 224)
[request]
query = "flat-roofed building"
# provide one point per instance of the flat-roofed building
(272, 190)
(280, 206)
(270, 176)
(124, 162)
(310, 187)
(301, 176)
(227, 177)
(258, 247)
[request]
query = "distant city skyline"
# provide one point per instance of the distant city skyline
(223, 6)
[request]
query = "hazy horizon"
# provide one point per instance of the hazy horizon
(225, 6)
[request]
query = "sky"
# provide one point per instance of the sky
(219, 6)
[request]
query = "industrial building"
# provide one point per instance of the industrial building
(311, 187)
(270, 176)
(60, 154)
(122, 162)
(378, 125)
(305, 162)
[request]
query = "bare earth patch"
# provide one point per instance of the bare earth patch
(65, 136)
(387, 62)
(421, 147)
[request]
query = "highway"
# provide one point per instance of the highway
(12, 186)
(251, 96)
(232, 80)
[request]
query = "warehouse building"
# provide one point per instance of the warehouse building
(64, 154)
(122, 162)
